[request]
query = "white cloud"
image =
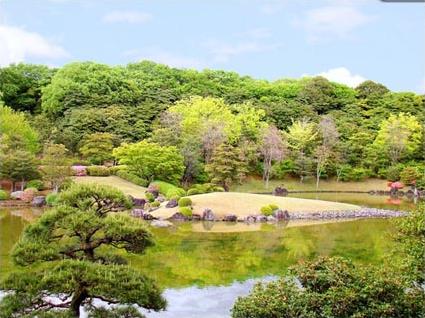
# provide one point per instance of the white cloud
(332, 21)
(133, 17)
(164, 57)
(17, 44)
(222, 52)
(343, 75)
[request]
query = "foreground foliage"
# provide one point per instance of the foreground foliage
(70, 259)
(333, 287)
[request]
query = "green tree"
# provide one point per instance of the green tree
(97, 147)
(55, 165)
(399, 137)
(18, 166)
(71, 260)
(301, 136)
(226, 166)
(151, 161)
(14, 124)
(21, 85)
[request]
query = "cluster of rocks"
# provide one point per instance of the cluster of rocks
(399, 193)
(28, 197)
(346, 214)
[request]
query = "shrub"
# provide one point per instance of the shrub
(51, 199)
(98, 171)
(393, 173)
(4, 195)
(168, 189)
(185, 202)
(124, 174)
(29, 194)
(349, 173)
(194, 191)
(269, 209)
(114, 169)
(155, 204)
(420, 183)
(149, 196)
(79, 171)
(409, 175)
(218, 189)
(66, 184)
(186, 211)
(333, 288)
(37, 184)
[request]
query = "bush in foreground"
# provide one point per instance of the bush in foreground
(333, 287)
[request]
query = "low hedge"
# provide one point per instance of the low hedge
(169, 190)
(185, 202)
(124, 174)
(98, 171)
(204, 188)
(4, 195)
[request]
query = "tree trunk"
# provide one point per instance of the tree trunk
(79, 296)
(317, 178)
(22, 185)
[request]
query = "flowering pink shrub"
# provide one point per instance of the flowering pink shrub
(79, 171)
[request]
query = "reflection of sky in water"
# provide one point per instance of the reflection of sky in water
(194, 302)
(208, 302)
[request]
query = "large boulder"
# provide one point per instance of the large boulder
(261, 218)
(154, 190)
(230, 218)
(17, 195)
(39, 201)
(281, 214)
(138, 202)
(147, 216)
(137, 212)
(196, 217)
(172, 204)
(280, 191)
(178, 217)
(208, 215)
(160, 198)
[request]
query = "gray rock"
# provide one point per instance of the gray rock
(208, 215)
(39, 201)
(171, 204)
(281, 215)
(137, 212)
(196, 217)
(280, 192)
(147, 216)
(230, 218)
(178, 217)
(160, 198)
(161, 223)
(250, 219)
(17, 195)
(260, 218)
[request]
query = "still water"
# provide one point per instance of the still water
(204, 271)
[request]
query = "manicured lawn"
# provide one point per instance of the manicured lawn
(125, 186)
(243, 204)
(252, 184)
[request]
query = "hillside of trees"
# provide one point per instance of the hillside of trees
(206, 121)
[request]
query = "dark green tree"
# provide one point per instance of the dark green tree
(226, 166)
(97, 147)
(70, 259)
(18, 166)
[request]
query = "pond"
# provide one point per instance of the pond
(204, 268)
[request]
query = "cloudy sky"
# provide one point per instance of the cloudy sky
(344, 40)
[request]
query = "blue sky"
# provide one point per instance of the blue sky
(344, 40)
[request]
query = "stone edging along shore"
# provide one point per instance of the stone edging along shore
(364, 212)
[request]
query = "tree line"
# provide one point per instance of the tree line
(308, 127)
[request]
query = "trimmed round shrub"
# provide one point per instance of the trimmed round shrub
(37, 184)
(124, 174)
(185, 202)
(274, 207)
(98, 171)
(149, 196)
(266, 210)
(175, 193)
(155, 204)
(186, 211)
(194, 191)
(52, 199)
(4, 195)
(393, 173)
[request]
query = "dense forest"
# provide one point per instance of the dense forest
(208, 124)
